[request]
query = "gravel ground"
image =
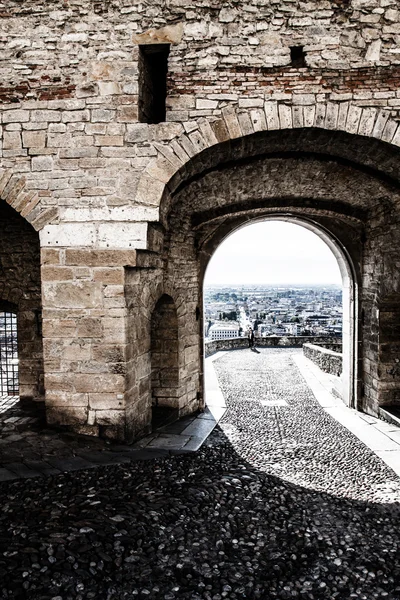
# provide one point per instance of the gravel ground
(215, 524)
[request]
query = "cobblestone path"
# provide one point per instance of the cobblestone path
(274, 421)
(276, 505)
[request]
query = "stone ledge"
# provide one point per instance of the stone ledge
(327, 360)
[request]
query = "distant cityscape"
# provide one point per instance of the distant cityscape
(272, 310)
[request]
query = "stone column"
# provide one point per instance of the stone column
(84, 334)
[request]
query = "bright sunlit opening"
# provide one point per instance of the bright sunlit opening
(273, 252)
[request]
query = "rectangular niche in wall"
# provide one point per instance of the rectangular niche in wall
(153, 68)
(297, 57)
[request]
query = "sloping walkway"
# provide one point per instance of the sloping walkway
(280, 502)
(276, 423)
(379, 436)
(30, 449)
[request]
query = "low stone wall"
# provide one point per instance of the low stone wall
(328, 360)
(268, 342)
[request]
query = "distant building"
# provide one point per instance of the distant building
(223, 331)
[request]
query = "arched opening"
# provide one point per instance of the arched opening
(20, 305)
(316, 329)
(164, 362)
(344, 187)
(9, 380)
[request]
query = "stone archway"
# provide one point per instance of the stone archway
(20, 289)
(343, 184)
(359, 135)
(350, 285)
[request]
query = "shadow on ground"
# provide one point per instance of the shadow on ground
(206, 525)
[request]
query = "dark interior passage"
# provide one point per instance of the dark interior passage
(20, 294)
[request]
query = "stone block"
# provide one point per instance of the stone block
(271, 115)
(108, 88)
(122, 235)
(203, 103)
(59, 328)
(110, 417)
(49, 256)
(138, 132)
(77, 294)
(15, 116)
(89, 327)
(12, 140)
(68, 234)
(77, 37)
(108, 276)
(100, 401)
(35, 139)
(232, 123)
(100, 258)
(71, 415)
(75, 116)
(99, 382)
(127, 114)
(109, 140)
(42, 163)
(46, 116)
(56, 273)
(103, 115)
(169, 34)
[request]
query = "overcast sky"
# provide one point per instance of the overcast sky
(273, 252)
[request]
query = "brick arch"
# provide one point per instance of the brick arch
(187, 154)
(26, 202)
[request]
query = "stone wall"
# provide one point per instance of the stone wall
(268, 342)
(128, 211)
(328, 361)
(20, 288)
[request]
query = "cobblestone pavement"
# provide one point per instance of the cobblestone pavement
(274, 421)
(281, 502)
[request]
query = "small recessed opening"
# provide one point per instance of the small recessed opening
(297, 56)
(153, 69)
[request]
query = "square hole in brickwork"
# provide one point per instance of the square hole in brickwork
(153, 69)
(297, 57)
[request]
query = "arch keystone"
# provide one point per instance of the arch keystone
(271, 115)
(232, 123)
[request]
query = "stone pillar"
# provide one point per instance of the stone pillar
(84, 335)
(143, 288)
(381, 312)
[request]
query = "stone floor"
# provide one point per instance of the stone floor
(281, 501)
(28, 448)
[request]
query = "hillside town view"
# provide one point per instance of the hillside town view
(271, 310)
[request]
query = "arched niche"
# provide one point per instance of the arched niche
(164, 361)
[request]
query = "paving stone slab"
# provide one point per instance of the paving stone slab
(71, 464)
(169, 442)
(6, 475)
(22, 471)
(42, 467)
(200, 428)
